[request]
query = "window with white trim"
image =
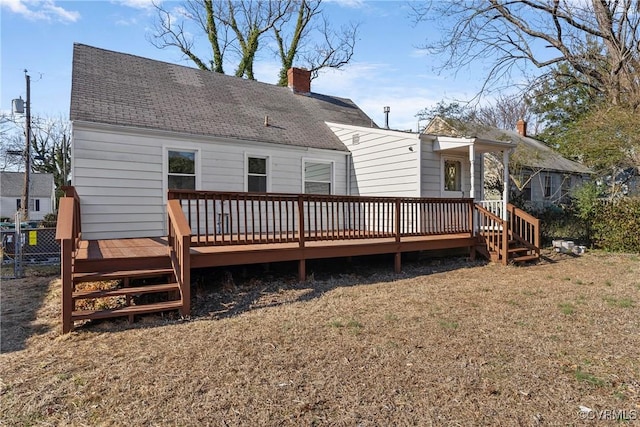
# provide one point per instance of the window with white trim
(181, 170)
(318, 177)
(452, 175)
(34, 205)
(257, 174)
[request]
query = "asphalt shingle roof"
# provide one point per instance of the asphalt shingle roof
(12, 184)
(122, 89)
(530, 151)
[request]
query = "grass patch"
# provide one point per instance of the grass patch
(567, 308)
(352, 325)
(448, 324)
(624, 302)
(583, 376)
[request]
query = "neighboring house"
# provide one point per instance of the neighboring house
(141, 127)
(41, 194)
(539, 176)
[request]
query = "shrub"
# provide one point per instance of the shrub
(616, 225)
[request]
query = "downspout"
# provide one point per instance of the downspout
(348, 168)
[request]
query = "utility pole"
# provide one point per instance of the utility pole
(24, 206)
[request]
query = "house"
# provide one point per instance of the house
(41, 194)
(538, 175)
(175, 168)
(141, 127)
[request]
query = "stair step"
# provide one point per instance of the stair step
(121, 274)
(519, 249)
(126, 311)
(525, 258)
(101, 293)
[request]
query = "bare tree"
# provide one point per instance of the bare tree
(599, 39)
(505, 112)
(50, 148)
(236, 31)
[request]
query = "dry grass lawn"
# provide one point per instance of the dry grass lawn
(447, 343)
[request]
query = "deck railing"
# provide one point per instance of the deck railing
(524, 228)
(179, 236)
(490, 230)
(68, 234)
(225, 218)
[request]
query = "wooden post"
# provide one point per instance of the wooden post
(398, 256)
(67, 285)
(505, 242)
(302, 265)
(185, 266)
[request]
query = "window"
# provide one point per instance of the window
(181, 170)
(34, 205)
(452, 175)
(317, 177)
(547, 186)
(257, 174)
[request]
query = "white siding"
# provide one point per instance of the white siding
(120, 176)
(432, 166)
(8, 207)
(384, 162)
(431, 172)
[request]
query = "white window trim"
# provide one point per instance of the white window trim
(464, 173)
(325, 161)
(165, 166)
(246, 169)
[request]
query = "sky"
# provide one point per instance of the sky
(388, 68)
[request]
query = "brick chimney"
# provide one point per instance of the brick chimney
(299, 80)
(522, 127)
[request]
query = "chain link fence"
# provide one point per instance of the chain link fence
(24, 245)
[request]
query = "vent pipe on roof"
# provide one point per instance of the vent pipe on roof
(266, 120)
(386, 117)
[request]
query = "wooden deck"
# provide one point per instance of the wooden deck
(214, 229)
(114, 254)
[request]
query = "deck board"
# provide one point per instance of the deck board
(118, 250)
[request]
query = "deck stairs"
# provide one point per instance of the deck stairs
(136, 280)
(518, 253)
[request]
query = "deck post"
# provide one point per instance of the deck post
(398, 263)
(185, 266)
(398, 256)
(67, 285)
(302, 265)
(505, 242)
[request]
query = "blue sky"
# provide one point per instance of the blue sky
(387, 69)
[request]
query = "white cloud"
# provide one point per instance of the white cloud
(353, 4)
(36, 10)
(372, 86)
(137, 4)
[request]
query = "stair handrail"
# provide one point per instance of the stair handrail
(495, 232)
(179, 236)
(68, 234)
(525, 228)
